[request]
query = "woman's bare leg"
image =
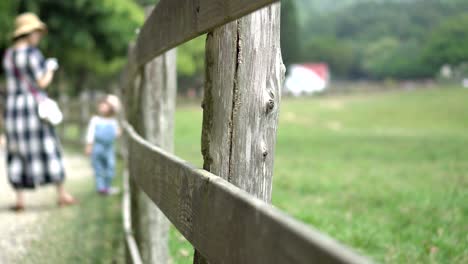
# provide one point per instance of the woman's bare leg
(19, 198)
(63, 196)
(19, 206)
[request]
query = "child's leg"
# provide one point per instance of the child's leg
(99, 172)
(110, 168)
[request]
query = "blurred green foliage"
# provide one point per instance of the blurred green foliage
(191, 58)
(448, 43)
(384, 39)
(6, 20)
(290, 30)
(371, 38)
(357, 38)
(339, 55)
(90, 38)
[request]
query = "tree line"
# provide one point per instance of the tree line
(91, 38)
(403, 39)
(377, 39)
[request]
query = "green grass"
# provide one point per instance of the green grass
(88, 233)
(386, 174)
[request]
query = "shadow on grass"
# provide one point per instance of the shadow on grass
(30, 208)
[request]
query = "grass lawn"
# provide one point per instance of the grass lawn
(88, 233)
(384, 173)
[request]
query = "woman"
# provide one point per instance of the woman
(33, 151)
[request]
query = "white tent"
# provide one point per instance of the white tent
(306, 79)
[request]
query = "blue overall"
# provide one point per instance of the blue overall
(103, 157)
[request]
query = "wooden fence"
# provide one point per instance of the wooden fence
(224, 223)
(76, 115)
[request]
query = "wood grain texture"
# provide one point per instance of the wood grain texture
(174, 22)
(244, 75)
(131, 96)
(259, 79)
(156, 118)
(224, 222)
(220, 66)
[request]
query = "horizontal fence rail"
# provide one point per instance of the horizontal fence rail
(174, 22)
(223, 222)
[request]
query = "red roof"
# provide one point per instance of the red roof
(321, 69)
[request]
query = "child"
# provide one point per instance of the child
(103, 130)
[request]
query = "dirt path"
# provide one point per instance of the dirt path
(17, 231)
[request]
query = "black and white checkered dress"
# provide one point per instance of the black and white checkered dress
(33, 149)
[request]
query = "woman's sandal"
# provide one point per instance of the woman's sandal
(17, 208)
(67, 202)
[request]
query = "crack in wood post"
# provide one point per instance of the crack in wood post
(239, 106)
(207, 106)
(235, 97)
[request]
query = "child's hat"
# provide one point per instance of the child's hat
(114, 102)
(27, 23)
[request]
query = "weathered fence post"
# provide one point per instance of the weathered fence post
(63, 101)
(155, 113)
(131, 96)
(244, 74)
(158, 122)
(85, 115)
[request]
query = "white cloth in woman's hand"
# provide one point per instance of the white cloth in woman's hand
(49, 111)
(52, 64)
